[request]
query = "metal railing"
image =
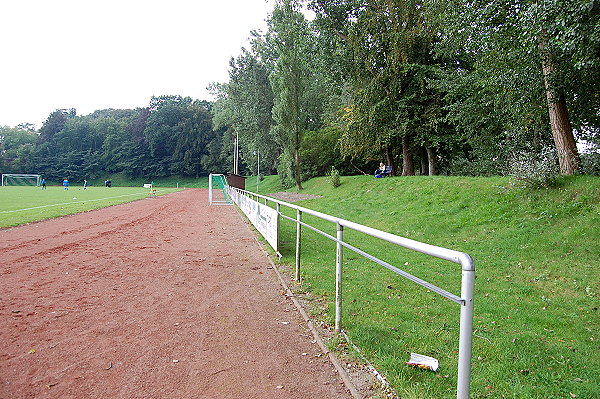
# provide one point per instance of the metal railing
(465, 300)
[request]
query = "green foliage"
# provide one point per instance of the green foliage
(590, 163)
(320, 150)
(290, 41)
(536, 293)
(285, 169)
(244, 107)
(16, 147)
(392, 46)
(171, 137)
(333, 177)
(494, 51)
(535, 170)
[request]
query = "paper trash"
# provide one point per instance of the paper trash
(423, 362)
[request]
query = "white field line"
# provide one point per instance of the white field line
(73, 202)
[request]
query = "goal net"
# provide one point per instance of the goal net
(217, 190)
(19, 179)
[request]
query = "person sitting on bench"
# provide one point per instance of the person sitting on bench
(383, 170)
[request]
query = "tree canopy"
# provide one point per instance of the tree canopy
(426, 86)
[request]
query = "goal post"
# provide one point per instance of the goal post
(218, 190)
(21, 179)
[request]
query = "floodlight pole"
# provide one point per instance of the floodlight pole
(257, 153)
(236, 150)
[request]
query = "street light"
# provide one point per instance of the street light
(257, 153)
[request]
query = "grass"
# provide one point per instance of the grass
(19, 205)
(268, 184)
(537, 289)
(120, 180)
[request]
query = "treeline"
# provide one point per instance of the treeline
(172, 136)
(426, 86)
(480, 87)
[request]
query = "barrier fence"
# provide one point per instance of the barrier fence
(259, 213)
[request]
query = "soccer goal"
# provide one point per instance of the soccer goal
(217, 190)
(20, 179)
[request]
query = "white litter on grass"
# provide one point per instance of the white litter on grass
(423, 362)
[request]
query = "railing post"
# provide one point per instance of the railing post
(278, 208)
(465, 346)
(338, 279)
(298, 240)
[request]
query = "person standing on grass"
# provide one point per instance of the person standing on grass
(66, 184)
(84, 184)
(43, 183)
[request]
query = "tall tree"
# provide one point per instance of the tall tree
(16, 148)
(55, 122)
(532, 63)
(393, 107)
(245, 105)
(290, 40)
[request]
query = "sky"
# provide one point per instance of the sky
(98, 54)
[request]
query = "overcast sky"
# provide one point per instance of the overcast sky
(97, 54)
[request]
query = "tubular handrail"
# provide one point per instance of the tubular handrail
(461, 258)
(464, 259)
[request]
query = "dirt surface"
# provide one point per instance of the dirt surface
(165, 297)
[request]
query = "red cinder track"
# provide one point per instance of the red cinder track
(165, 297)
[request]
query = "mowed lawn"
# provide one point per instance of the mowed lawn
(19, 204)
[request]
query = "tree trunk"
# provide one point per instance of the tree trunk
(424, 163)
(389, 158)
(564, 140)
(408, 167)
(431, 155)
(297, 167)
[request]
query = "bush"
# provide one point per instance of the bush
(590, 163)
(534, 170)
(333, 177)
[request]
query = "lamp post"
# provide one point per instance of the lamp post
(257, 153)
(235, 155)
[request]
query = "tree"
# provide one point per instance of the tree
(245, 106)
(290, 41)
(16, 147)
(531, 63)
(55, 123)
(394, 100)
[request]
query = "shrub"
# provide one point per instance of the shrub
(534, 170)
(590, 163)
(333, 177)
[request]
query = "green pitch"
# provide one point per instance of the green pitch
(19, 205)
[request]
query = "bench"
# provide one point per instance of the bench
(386, 172)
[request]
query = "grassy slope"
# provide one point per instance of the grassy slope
(537, 290)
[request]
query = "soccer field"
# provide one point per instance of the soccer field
(19, 205)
